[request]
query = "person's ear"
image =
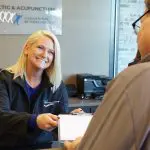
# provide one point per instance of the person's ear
(26, 49)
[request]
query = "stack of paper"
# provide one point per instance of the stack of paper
(72, 126)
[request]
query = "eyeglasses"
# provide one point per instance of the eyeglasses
(137, 23)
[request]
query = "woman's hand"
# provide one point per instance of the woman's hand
(78, 110)
(47, 121)
(72, 145)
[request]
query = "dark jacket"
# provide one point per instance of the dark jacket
(14, 98)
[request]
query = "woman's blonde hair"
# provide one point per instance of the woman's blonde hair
(53, 72)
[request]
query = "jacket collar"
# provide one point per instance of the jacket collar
(145, 58)
(45, 81)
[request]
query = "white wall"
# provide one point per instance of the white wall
(84, 40)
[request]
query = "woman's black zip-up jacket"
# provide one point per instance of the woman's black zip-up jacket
(14, 100)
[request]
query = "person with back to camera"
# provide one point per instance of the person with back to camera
(136, 28)
(33, 87)
(122, 121)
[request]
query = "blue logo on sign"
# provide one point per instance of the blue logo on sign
(17, 19)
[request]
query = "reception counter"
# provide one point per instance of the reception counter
(88, 105)
(76, 102)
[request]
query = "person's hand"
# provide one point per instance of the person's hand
(47, 121)
(78, 110)
(72, 145)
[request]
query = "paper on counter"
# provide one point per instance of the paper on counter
(72, 126)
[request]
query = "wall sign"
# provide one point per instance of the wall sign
(27, 16)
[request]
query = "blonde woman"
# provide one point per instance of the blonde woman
(33, 86)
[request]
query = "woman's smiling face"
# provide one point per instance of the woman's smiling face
(40, 55)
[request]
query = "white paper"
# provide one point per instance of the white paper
(72, 126)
